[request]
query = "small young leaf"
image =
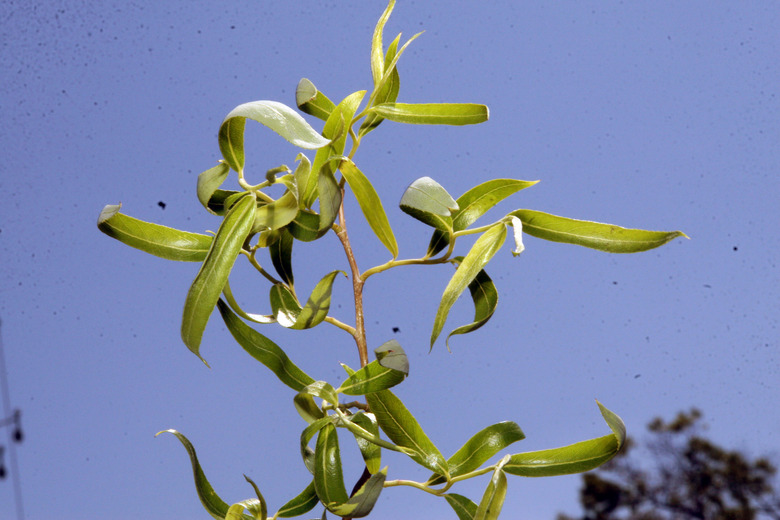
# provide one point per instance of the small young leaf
(575, 458)
(404, 430)
(278, 117)
(264, 350)
(154, 239)
(312, 101)
(604, 237)
(493, 499)
(433, 113)
(276, 214)
(371, 378)
(303, 503)
(370, 204)
(328, 477)
(336, 128)
(207, 286)
(391, 355)
(476, 202)
(427, 201)
(215, 506)
(330, 198)
(480, 254)
(288, 312)
(323, 390)
(388, 92)
(480, 448)
(485, 297)
(301, 176)
(209, 181)
(464, 508)
(281, 256)
(377, 52)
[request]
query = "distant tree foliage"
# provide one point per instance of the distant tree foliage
(688, 477)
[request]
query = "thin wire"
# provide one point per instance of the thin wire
(15, 477)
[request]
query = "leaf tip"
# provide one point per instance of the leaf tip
(108, 211)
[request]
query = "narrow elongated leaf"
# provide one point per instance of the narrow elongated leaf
(278, 117)
(336, 129)
(312, 101)
(371, 452)
(154, 239)
(301, 176)
(370, 204)
(403, 429)
(480, 448)
(257, 507)
(213, 274)
(388, 90)
(485, 297)
(328, 477)
(371, 378)
(307, 435)
(231, 301)
(433, 113)
(464, 508)
(213, 504)
(323, 390)
(281, 257)
(604, 237)
(303, 503)
(493, 500)
(264, 350)
(575, 458)
(480, 254)
(427, 201)
(288, 312)
(276, 214)
(362, 502)
(377, 50)
(209, 181)
(330, 198)
(476, 202)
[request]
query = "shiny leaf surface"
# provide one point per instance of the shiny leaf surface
(370, 204)
(433, 113)
(604, 237)
(427, 201)
(371, 378)
(213, 275)
(312, 101)
(391, 355)
(154, 239)
(264, 350)
(208, 183)
(480, 254)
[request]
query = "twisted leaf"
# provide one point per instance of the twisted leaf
(427, 201)
(208, 184)
(312, 101)
(289, 313)
(485, 297)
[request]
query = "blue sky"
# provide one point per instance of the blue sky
(661, 116)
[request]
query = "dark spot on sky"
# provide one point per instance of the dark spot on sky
(735, 248)
(396, 330)
(161, 204)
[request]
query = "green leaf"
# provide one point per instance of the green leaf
(391, 355)
(307, 408)
(604, 237)
(257, 507)
(208, 183)
(328, 477)
(493, 499)
(303, 503)
(336, 128)
(276, 214)
(388, 90)
(323, 390)
(575, 458)
(264, 350)
(231, 301)
(236, 511)
(207, 286)
(312, 101)
(476, 202)
(485, 298)
(362, 502)
(281, 257)
(480, 254)
(377, 52)
(213, 504)
(371, 378)
(480, 448)
(464, 508)
(305, 226)
(371, 452)
(403, 429)
(288, 312)
(307, 435)
(330, 198)
(278, 117)
(433, 113)
(427, 201)
(301, 176)
(154, 239)
(370, 205)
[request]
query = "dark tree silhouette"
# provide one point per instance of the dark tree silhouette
(678, 474)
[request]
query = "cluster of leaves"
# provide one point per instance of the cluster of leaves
(690, 477)
(311, 208)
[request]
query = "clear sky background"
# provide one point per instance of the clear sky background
(662, 115)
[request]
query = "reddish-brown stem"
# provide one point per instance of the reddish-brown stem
(357, 288)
